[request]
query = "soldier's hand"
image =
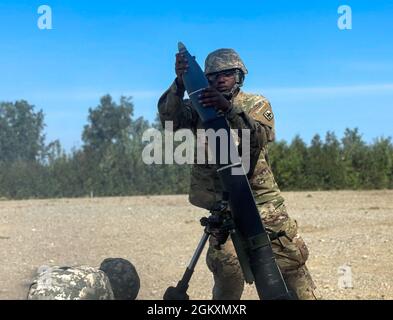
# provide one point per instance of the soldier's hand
(211, 97)
(181, 66)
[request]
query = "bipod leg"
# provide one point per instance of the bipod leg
(180, 291)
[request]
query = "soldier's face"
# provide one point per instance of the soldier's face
(223, 81)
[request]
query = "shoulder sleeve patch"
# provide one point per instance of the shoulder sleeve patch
(262, 112)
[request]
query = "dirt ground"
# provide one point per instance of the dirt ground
(159, 234)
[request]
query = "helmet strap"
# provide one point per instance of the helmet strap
(239, 78)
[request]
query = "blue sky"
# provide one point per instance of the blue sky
(317, 77)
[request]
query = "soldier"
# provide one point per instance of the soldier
(116, 279)
(226, 72)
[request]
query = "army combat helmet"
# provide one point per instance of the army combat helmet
(116, 278)
(123, 278)
(226, 60)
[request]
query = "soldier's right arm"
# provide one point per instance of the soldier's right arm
(172, 107)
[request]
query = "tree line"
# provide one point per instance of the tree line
(109, 162)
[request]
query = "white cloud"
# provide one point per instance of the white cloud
(368, 89)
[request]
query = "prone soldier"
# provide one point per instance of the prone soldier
(116, 279)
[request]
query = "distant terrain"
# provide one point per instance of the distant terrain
(159, 234)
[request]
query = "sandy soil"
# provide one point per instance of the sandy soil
(159, 234)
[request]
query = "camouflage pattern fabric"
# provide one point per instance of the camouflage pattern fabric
(255, 112)
(205, 188)
(70, 283)
(227, 273)
(223, 59)
(291, 255)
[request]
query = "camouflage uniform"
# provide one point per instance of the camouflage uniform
(116, 278)
(251, 112)
(70, 283)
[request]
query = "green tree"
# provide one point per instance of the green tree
(355, 157)
(380, 164)
(288, 163)
(333, 163)
(105, 139)
(109, 123)
(21, 132)
(315, 172)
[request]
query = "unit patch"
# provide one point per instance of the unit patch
(268, 115)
